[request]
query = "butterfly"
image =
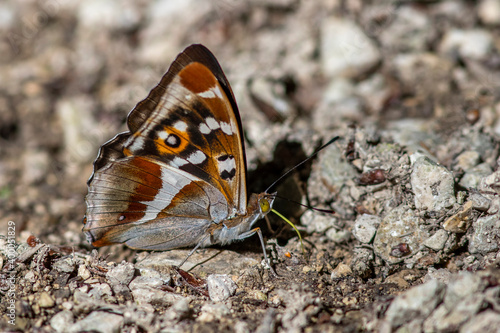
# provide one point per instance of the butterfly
(177, 177)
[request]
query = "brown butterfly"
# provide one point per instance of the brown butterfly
(177, 178)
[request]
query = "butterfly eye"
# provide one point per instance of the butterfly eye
(264, 205)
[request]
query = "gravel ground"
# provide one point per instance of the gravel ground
(411, 88)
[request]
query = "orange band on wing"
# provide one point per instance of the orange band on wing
(197, 78)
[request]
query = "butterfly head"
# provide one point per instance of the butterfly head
(265, 202)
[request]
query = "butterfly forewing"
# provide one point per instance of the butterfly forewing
(182, 163)
(194, 125)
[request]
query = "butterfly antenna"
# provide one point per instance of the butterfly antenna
(328, 211)
(304, 161)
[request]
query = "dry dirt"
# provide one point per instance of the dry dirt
(411, 88)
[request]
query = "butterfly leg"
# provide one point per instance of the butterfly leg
(193, 250)
(259, 232)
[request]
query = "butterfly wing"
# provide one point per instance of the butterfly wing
(180, 167)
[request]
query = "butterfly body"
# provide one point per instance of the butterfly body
(177, 178)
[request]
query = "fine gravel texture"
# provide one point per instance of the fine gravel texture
(411, 88)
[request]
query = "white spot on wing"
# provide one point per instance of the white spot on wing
(212, 123)
(163, 135)
(197, 157)
(217, 91)
(226, 165)
(213, 92)
(207, 94)
(181, 126)
(137, 144)
(226, 128)
(204, 128)
(178, 162)
(234, 127)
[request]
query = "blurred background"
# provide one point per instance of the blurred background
(302, 71)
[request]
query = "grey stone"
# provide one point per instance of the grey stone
(98, 321)
(461, 286)
(273, 94)
(61, 321)
(211, 312)
(121, 274)
(317, 223)
(400, 226)
(97, 14)
(79, 128)
(45, 300)
(441, 274)
(488, 12)
(437, 241)
(65, 265)
(345, 49)
(338, 236)
(177, 311)
(334, 170)
(479, 202)
(460, 313)
(472, 177)
(467, 160)
(469, 44)
(485, 322)
(407, 31)
(486, 235)
(145, 281)
(433, 185)
(362, 263)
(100, 289)
(151, 294)
(36, 165)
(157, 265)
(374, 92)
(491, 183)
(427, 73)
(416, 303)
(365, 227)
(220, 287)
(83, 272)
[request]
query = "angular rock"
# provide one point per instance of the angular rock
(98, 321)
(485, 322)
(220, 287)
(433, 185)
(345, 49)
(486, 235)
(469, 44)
(121, 274)
(398, 227)
(415, 303)
(365, 227)
(61, 321)
(317, 223)
(472, 177)
(437, 241)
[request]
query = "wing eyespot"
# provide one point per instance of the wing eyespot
(173, 141)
